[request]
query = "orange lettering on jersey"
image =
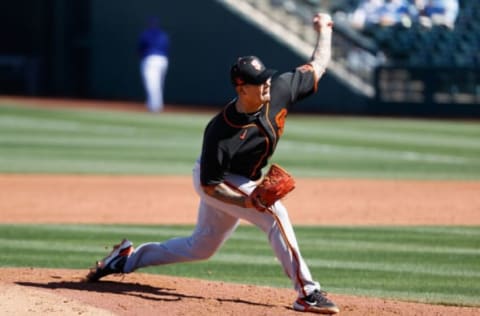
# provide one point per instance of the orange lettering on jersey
(280, 120)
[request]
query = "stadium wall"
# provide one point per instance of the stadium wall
(87, 49)
(206, 38)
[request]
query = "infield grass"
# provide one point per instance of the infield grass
(423, 264)
(46, 140)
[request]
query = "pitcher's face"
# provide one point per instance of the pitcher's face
(258, 94)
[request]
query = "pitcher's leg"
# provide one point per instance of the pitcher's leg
(284, 243)
(276, 224)
(212, 229)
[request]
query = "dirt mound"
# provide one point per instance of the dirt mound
(63, 292)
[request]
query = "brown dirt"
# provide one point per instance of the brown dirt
(171, 200)
(46, 291)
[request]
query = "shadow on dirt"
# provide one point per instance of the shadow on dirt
(138, 290)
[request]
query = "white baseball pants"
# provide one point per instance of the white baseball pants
(215, 223)
(154, 69)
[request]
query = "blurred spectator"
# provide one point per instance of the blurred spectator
(382, 12)
(395, 12)
(437, 12)
(153, 47)
(367, 12)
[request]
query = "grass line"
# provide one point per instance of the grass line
(58, 140)
(418, 263)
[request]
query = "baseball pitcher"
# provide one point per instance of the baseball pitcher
(237, 145)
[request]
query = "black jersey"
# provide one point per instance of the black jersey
(240, 143)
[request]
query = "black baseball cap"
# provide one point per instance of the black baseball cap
(249, 70)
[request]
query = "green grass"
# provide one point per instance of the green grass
(46, 140)
(425, 264)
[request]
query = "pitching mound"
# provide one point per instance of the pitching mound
(63, 292)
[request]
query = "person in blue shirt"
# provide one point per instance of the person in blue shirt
(153, 48)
